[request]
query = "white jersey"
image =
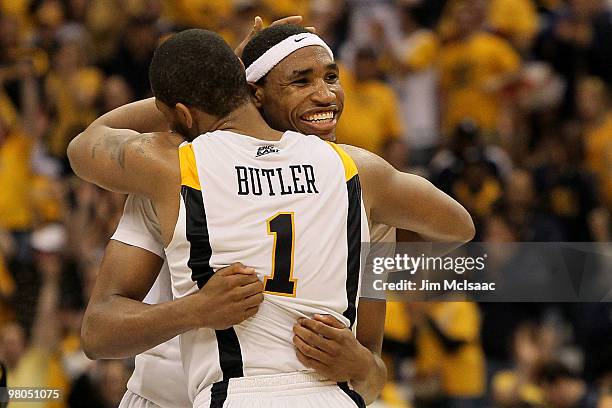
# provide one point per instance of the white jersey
(292, 210)
(158, 373)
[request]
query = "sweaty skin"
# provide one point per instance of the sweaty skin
(148, 164)
(114, 149)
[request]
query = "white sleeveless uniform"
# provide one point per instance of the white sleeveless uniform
(292, 210)
(158, 379)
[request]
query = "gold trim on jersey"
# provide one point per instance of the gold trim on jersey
(350, 168)
(189, 171)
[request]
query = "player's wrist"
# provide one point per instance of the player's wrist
(366, 365)
(194, 312)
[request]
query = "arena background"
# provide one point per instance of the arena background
(504, 104)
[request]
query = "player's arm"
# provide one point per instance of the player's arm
(370, 330)
(410, 202)
(114, 153)
(117, 324)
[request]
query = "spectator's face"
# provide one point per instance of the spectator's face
(475, 175)
(141, 39)
(366, 68)
(555, 394)
(68, 57)
(526, 347)
(116, 93)
(468, 16)
(605, 402)
(585, 8)
(9, 32)
(591, 99)
(520, 188)
(498, 231)
(303, 93)
(13, 344)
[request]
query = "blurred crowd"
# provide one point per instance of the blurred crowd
(503, 104)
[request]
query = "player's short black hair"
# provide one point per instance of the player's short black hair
(266, 39)
(197, 68)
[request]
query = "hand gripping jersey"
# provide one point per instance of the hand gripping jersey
(292, 210)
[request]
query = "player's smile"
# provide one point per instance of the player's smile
(319, 120)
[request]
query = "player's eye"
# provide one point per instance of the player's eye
(332, 77)
(300, 81)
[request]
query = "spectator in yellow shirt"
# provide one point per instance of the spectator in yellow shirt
(515, 20)
(449, 354)
(208, 14)
(370, 117)
(594, 109)
(416, 81)
(15, 175)
(72, 89)
(519, 385)
(35, 363)
(474, 67)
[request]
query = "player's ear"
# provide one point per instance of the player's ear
(257, 95)
(184, 114)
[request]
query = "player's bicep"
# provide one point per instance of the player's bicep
(409, 201)
(115, 159)
(126, 271)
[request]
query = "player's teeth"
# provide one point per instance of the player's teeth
(320, 116)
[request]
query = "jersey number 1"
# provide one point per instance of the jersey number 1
(281, 281)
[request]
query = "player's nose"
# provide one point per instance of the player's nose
(323, 93)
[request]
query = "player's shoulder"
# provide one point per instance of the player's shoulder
(156, 143)
(364, 159)
(156, 151)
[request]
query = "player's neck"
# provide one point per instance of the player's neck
(246, 120)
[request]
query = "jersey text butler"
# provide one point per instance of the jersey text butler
(295, 179)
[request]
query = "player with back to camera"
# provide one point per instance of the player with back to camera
(134, 153)
(158, 379)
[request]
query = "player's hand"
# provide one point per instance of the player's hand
(328, 346)
(231, 295)
(258, 26)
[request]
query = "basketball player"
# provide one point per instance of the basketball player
(126, 164)
(158, 379)
(137, 242)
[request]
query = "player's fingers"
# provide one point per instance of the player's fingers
(311, 29)
(330, 321)
(287, 20)
(314, 340)
(250, 312)
(311, 363)
(253, 300)
(310, 351)
(320, 328)
(243, 279)
(234, 268)
(250, 289)
(258, 26)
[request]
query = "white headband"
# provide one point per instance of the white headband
(262, 65)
